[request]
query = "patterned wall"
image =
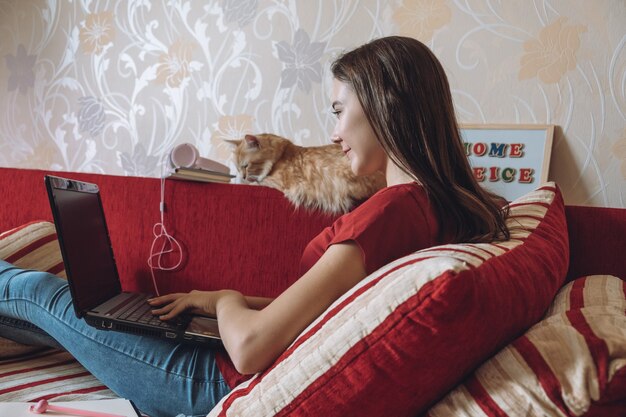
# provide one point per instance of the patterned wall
(110, 86)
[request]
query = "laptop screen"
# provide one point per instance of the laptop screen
(84, 240)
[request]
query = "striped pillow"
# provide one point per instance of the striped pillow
(51, 375)
(572, 363)
(412, 330)
(31, 246)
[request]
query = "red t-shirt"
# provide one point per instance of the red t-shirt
(394, 222)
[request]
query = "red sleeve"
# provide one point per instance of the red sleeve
(393, 223)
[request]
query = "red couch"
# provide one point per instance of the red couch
(245, 237)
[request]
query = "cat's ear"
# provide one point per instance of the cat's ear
(252, 142)
(234, 142)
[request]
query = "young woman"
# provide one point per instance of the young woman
(394, 114)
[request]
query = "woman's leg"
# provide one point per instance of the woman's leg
(26, 333)
(162, 378)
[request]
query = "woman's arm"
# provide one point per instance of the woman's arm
(258, 303)
(255, 338)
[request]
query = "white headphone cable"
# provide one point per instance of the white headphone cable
(170, 244)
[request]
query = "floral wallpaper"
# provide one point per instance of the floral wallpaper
(111, 86)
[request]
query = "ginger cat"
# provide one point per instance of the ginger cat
(312, 177)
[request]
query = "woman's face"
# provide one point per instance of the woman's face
(354, 133)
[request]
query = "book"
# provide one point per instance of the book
(119, 407)
(206, 164)
(201, 175)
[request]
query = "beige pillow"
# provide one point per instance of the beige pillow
(572, 363)
(31, 246)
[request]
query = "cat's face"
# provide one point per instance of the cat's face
(255, 156)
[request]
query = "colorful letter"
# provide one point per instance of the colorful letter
(508, 174)
(526, 175)
(516, 150)
(498, 149)
(479, 149)
(494, 174)
(479, 174)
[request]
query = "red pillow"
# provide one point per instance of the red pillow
(408, 333)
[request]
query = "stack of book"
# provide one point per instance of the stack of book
(202, 175)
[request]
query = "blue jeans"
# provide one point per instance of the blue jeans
(160, 377)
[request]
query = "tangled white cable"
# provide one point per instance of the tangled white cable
(169, 242)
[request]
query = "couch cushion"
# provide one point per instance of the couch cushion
(50, 374)
(409, 332)
(31, 246)
(571, 363)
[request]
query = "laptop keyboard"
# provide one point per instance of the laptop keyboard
(142, 313)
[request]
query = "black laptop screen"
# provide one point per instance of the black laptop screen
(87, 253)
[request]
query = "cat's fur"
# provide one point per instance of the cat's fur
(317, 177)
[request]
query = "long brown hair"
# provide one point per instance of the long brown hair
(406, 97)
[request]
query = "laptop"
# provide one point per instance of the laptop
(93, 277)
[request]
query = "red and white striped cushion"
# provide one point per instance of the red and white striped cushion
(51, 375)
(31, 246)
(409, 332)
(572, 363)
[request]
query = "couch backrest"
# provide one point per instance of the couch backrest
(245, 237)
(597, 241)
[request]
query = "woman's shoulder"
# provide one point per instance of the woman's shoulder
(395, 198)
(400, 191)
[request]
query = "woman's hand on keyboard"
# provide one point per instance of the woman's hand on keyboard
(197, 302)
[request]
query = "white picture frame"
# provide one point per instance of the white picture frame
(509, 159)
